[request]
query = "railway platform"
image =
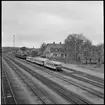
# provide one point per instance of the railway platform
(85, 70)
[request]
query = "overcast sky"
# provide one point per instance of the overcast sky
(35, 22)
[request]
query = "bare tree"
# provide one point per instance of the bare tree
(42, 48)
(73, 45)
(86, 49)
(34, 53)
(100, 49)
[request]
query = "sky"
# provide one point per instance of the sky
(35, 22)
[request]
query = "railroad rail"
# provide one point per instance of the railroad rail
(8, 96)
(97, 79)
(90, 90)
(98, 82)
(42, 97)
(68, 95)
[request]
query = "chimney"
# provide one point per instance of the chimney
(53, 42)
(60, 42)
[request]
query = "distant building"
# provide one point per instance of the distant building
(34, 52)
(27, 51)
(54, 50)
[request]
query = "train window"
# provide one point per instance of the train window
(50, 63)
(57, 65)
(55, 55)
(62, 55)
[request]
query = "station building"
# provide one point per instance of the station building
(54, 50)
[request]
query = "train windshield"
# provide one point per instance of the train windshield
(57, 64)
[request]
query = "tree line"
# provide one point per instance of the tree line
(77, 47)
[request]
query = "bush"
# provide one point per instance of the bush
(99, 64)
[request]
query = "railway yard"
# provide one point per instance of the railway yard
(24, 82)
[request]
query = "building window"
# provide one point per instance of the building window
(47, 52)
(62, 55)
(54, 55)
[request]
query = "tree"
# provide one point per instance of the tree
(86, 49)
(42, 48)
(34, 53)
(73, 44)
(100, 51)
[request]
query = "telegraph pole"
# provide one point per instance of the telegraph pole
(13, 40)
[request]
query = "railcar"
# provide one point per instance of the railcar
(46, 63)
(54, 65)
(32, 59)
(39, 60)
(17, 55)
(23, 56)
(28, 58)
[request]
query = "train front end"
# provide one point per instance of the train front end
(58, 67)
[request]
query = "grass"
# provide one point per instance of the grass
(93, 67)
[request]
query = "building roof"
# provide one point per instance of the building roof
(35, 49)
(55, 47)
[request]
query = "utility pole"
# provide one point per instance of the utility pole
(13, 40)
(75, 49)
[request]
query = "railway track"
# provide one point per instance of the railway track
(97, 84)
(68, 95)
(90, 90)
(41, 96)
(96, 81)
(8, 96)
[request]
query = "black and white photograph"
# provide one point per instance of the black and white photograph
(52, 52)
